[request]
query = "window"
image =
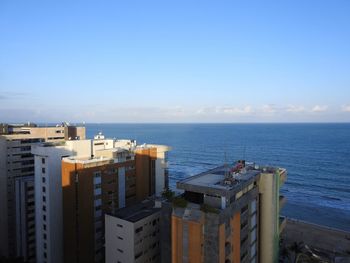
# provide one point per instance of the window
(253, 221)
(244, 209)
(25, 148)
(96, 197)
(244, 224)
(97, 174)
(129, 168)
(43, 179)
(44, 217)
(138, 230)
(120, 238)
(44, 226)
(44, 189)
(118, 225)
(244, 255)
(43, 170)
(44, 236)
(121, 251)
(253, 207)
(138, 255)
(45, 255)
(43, 160)
(44, 198)
(253, 235)
(244, 240)
(44, 208)
(253, 250)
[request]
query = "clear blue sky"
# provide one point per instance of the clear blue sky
(175, 61)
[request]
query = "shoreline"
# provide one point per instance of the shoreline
(318, 226)
(332, 218)
(329, 243)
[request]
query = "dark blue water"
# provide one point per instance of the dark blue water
(317, 157)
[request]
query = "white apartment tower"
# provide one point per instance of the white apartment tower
(48, 196)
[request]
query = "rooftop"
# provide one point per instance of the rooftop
(137, 212)
(86, 160)
(224, 180)
(115, 149)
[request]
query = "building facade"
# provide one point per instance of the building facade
(16, 181)
(91, 187)
(228, 214)
(48, 195)
(132, 234)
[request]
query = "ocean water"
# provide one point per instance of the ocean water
(317, 157)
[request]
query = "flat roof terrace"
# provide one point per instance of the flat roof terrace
(219, 181)
(136, 212)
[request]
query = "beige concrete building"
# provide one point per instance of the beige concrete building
(17, 238)
(132, 234)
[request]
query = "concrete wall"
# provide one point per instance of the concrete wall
(80, 191)
(268, 217)
(161, 166)
(53, 196)
(125, 231)
(101, 144)
(16, 162)
(124, 244)
(3, 198)
(53, 203)
(214, 201)
(147, 240)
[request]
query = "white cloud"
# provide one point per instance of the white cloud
(295, 108)
(319, 108)
(226, 110)
(236, 110)
(346, 108)
(269, 108)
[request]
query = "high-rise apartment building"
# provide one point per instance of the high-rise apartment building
(48, 195)
(94, 186)
(17, 218)
(228, 214)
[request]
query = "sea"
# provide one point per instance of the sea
(317, 157)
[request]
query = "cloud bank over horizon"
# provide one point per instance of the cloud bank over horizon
(109, 113)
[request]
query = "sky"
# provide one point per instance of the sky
(175, 61)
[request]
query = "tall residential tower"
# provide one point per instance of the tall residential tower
(17, 218)
(228, 214)
(100, 184)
